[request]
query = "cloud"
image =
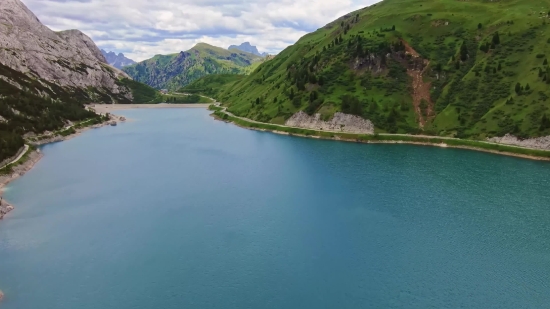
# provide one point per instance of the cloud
(143, 28)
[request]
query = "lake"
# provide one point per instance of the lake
(176, 210)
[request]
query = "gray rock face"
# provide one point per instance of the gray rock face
(4, 209)
(341, 122)
(118, 61)
(67, 58)
(535, 143)
(246, 47)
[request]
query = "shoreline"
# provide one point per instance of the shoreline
(420, 141)
(32, 155)
(108, 108)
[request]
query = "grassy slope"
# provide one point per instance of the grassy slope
(469, 99)
(212, 85)
(146, 94)
(177, 70)
(141, 92)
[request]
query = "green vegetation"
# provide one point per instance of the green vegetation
(29, 104)
(365, 138)
(214, 108)
(212, 85)
(184, 98)
(177, 70)
(9, 168)
(37, 106)
(474, 69)
(146, 94)
(141, 92)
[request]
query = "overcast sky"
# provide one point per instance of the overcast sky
(142, 28)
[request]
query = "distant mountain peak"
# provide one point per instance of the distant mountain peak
(118, 61)
(173, 71)
(247, 47)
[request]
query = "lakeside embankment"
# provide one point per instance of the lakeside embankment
(109, 108)
(29, 155)
(490, 147)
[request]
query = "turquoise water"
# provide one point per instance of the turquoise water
(176, 210)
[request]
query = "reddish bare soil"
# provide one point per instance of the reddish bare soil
(420, 89)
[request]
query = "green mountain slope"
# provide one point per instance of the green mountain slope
(177, 70)
(212, 85)
(453, 68)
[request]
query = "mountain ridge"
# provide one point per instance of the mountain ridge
(117, 60)
(475, 69)
(247, 47)
(173, 71)
(46, 77)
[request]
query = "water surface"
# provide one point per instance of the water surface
(176, 210)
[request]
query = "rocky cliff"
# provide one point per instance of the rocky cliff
(118, 61)
(340, 122)
(67, 58)
(247, 47)
(46, 77)
(542, 142)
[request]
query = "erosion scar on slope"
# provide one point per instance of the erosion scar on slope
(420, 89)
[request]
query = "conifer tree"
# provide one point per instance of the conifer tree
(544, 123)
(496, 38)
(463, 52)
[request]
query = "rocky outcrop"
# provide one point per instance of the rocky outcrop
(4, 209)
(67, 58)
(118, 61)
(247, 47)
(371, 62)
(535, 143)
(340, 122)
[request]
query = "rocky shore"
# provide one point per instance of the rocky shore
(542, 143)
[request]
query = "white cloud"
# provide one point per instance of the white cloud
(143, 28)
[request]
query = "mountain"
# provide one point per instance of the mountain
(118, 61)
(177, 70)
(47, 76)
(471, 69)
(246, 47)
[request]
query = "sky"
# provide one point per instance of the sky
(143, 28)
